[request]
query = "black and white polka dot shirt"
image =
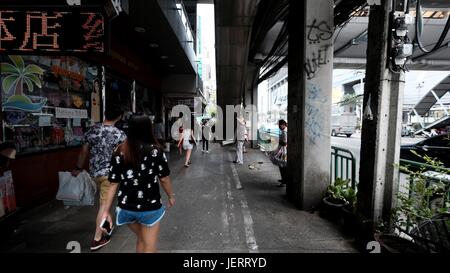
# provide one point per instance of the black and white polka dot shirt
(139, 187)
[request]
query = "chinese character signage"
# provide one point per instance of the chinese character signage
(23, 31)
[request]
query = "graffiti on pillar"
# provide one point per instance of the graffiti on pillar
(312, 124)
(318, 32)
(318, 58)
(314, 116)
(315, 94)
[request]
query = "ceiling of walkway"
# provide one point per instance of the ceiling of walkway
(350, 37)
(350, 40)
(254, 33)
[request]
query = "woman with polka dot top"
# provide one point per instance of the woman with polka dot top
(138, 166)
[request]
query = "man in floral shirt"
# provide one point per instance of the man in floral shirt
(100, 141)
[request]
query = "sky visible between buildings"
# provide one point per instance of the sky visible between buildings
(206, 43)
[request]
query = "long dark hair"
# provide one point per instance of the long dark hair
(139, 136)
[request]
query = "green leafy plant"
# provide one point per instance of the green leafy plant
(341, 191)
(424, 197)
(350, 197)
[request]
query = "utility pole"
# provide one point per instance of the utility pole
(381, 130)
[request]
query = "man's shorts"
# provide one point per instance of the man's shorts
(103, 186)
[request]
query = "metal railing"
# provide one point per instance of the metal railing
(342, 165)
(430, 173)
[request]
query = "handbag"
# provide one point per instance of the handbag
(191, 140)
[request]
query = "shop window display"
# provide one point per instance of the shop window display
(46, 101)
(118, 93)
(145, 101)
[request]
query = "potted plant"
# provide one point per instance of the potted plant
(419, 202)
(335, 200)
(349, 211)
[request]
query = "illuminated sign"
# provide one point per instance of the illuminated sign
(51, 31)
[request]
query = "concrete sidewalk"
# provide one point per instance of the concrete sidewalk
(221, 207)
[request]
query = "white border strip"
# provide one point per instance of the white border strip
(248, 221)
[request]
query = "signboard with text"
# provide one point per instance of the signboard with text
(55, 30)
(71, 113)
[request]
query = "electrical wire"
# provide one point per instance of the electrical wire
(418, 28)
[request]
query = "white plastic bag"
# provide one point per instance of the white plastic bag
(70, 188)
(279, 156)
(78, 191)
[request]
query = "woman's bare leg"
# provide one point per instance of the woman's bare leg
(188, 155)
(136, 228)
(150, 237)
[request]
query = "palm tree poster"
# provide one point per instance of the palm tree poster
(15, 76)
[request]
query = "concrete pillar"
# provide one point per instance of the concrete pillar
(310, 73)
(255, 119)
(381, 130)
(233, 19)
(251, 98)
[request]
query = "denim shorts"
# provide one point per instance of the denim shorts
(146, 218)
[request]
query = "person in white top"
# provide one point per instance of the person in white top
(206, 135)
(159, 130)
(187, 140)
(241, 137)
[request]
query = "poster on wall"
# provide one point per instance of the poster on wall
(41, 95)
(2, 208)
(16, 77)
(95, 101)
(7, 192)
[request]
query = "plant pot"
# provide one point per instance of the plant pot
(392, 243)
(331, 208)
(349, 220)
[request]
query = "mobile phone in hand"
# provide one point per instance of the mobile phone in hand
(107, 226)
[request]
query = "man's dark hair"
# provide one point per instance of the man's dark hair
(282, 122)
(113, 112)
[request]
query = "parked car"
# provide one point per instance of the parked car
(436, 147)
(344, 123)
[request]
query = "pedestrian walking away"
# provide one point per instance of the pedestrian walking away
(159, 130)
(187, 141)
(241, 137)
(206, 134)
(99, 143)
(138, 166)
